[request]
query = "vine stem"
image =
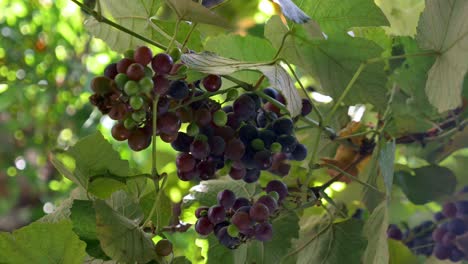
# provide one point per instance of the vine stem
(105, 20)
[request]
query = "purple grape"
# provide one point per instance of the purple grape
(247, 133)
(263, 231)
(111, 71)
(279, 187)
(263, 159)
(438, 234)
(207, 169)
(441, 252)
(456, 226)
(456, 255)
(240, 202)
(237, 174)
(299, 153)
(449, 210)
(234, 150)
(226, 199)
(216, 214)
(394, 232)
(269, 202)
(259, 212)
(251, 175)
(227, 240)
(217, 145)
(244, 108)
(200, 149)
(448, 238)
(462, 208)
(203, 226)
(439, 216)
(162, 63)
(241, 220)
(306, 107)
(283, 125)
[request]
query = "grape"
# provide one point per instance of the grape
(175, 53)
(203, 226)
(299, 153)
(267, 136)
(163, 247)
(202, 117)
(212, 83)
(119, 132)
(216, 214)
(129, 53)
(187, 176)
(220, 118)
(185, 162)
(261, 119)
(201, 211)
(438, 234)
(131, 88)
(263, 231)
(226, 199)
(241, 220)
(283, 169)
(441, 252)
(101, 85)
(306, 107)
(143, 55)
(241, 202)
(225, 132)
(129, 123)
(227, 240)
(271, 108)
(118, 111)
(162, 63)
(288, 143)
(394, 232)
(279, 187)
(256, 99)
(233, 121)
(111, 71)
(207, 169)
(200, 149)
(139, 140)
(283, 125)
(462, 208)
(247, 133)
(248, 159)
(233, 231)
(123, 65)
(121, 79)
(257, 144)
(448, 238)
(178, 89)
(449, 210)
(146, 85)
(251, 175)
(456, 226)
(163, 105)
(168, 123)
(218, 227)
(217, 145)
(244, 108)
(270, 92)
(182, 143)
(135, 72)
(206, 131)
(276, 147)
(237, 174)
(263, 159)
(235, 149)
(456, 255)
(269, 202)
(439, 216)
(160, 84)
(185, 115)
(280, 98)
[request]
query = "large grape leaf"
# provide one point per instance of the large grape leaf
(443, 28)
(375, 230)
(341, 15)
(334, 62)
(195, 12)
(399, 253)
(42, 243)
(139, 17)
(275, 73)
(429, 183)
(291, 11)
(121, 238)
(386, 160)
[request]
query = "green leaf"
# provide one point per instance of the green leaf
(403, 15)
(205, 193)
(386, 160)
(217, 253)
(370, 197)
(92, 156)
(291, 11)
(62, 212)
(428, 183)
(83, 218)
(334, 62)
(121, 238)
(195, 12)
(42, 243)
(443, 28)
(336, 16)
(375, 230)
(330, 243)
(276, 75)
(163, 208)
(399, 253)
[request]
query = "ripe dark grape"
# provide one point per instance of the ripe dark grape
(212, 83)
(182, 143)
(233, 121)
(203, 226)
(189, 175)
(267, 136)
(225, 132)
(439, 216)
(185, 162)
(241, 202)
(237, 174)
(206, 169)
(139, 140)
(256, 99)
(306, 107)
(259, 212)
(283, 125)
(119, 132)
(279, 187)
(288, 143)
(241, 220)
(394, 232)
(449, 210)
(448, 238)
(263, 231)
(200, 149)
(201, 211)
(143, 55)
(160, 84)
(244, 108)
(168, 123)
(216, 214)
(219, 226)
(462, 208)
(163, 247)
(162, 63)
(178, 89)
(299, 153)
(227, 240)
(456, 255)
(202, 117)
(251, 175)
(263, 159)
(247, 133)
(123, 65)
(235, 149)
(135, 72)
(456, 226)
(441, 252)
(111, 71)
(217, 145)
(270, 92)
(226, 199)
(269, 202)
(438, 234)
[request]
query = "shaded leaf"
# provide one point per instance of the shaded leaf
(429, 183)
(195, 12)
(375, 230)
(163, 208)
(42, 243)
(386, 160)
(443, 28)
(399, 253)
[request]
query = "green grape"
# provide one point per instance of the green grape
(139, 116)
(192, 129)
(129, 54)
(175, 53)
(131, 88)
(220, 118)
(232, 95)
(257, 144)
(136, 102)
(129, 123)
(275, 147)
(233, 230)
(146, 85)
(121, 79)
(149, 72)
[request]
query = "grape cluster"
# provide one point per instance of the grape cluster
(235, 220)
(438, 238)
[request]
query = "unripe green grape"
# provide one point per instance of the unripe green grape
(136, 102)
(233, 230)
(275, 147)
(139, 116)
(149, 72)
(257, 144)
(220, 118)
(192, 129)
(182, 70)
(175, 53)
(232, 95)
(146, 85)
(121, 79)
(129, 54)
(129, 123)
(131, 88)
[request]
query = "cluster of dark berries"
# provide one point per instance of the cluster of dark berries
(237, 220)
(248, 136)
(442, 238)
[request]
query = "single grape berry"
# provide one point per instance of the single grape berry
(185, 162)
(119, 132)
(448, 238)
(139, 140)
(203, 226)
(143, 55)
(162, 63)
(178, 90)
(259, 212)
(163, 247)
(101, 85)
(283, 125)
(146, 84)
(299, 153)
(235, 149)
(123, 65)
(441, 252)
(212, 83)
(160, 84)
(263, 231)
(202, 117)
(220, 118)
(136, 102)
(269, 202)
(288, 143)
(244, 108)
(241, 202)
(449, 209)
(247, 133)
(394, 232)
(131, 88)
(135, 72)
(241, 220)
(120, 80)
(462, 208)
(225, 239)
(270, 92)
(216, 214)
(306, 107)
(237, 174)
(200, 149)
(251, 175)
(118, 111)
(456, 255)
(439, 216)
(456, 226)
(279, 187)
(226, 199)
(111, 71)
(168, 123)
(263, 159)
(438, 234)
